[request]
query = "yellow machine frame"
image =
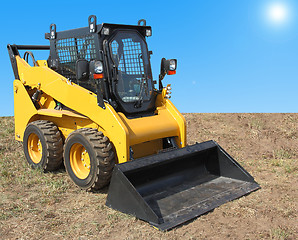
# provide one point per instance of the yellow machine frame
(142, 134)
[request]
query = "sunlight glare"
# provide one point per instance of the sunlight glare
(278, 13)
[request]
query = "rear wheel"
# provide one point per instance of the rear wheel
(43, 145)
(89, 158)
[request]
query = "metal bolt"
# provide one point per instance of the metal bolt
(85, 165)
(82, 159)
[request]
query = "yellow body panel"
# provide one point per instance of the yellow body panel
(161, 101)
(42, 63)
(147, 148)
(150, 128)
(47, 102)
(66, 121)
(24, 109)
(140, 133)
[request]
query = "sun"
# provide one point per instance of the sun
(278, 13)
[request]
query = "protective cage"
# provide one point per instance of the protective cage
(174, 187)
(129, 62)
(69, 50)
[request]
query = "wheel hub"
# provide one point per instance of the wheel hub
(85, 159)
(80, 161)
(34, 148)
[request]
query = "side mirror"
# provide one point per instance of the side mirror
(82, 70)
(167, 67)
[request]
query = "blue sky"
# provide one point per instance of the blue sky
(231, 56)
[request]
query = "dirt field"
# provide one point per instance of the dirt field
(34, 205)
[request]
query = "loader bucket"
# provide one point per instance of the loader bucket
(173, 187)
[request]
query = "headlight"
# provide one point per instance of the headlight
(148, 33)
(172, 65)
(98, 67)
(105, 31)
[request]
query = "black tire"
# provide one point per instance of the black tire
(101, 157)
(49, 156)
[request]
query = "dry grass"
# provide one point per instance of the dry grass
(34, 205)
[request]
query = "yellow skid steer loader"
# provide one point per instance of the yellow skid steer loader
(94, 105)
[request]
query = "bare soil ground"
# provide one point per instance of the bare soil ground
(34, 205)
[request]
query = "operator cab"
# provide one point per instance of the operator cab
(110, 60)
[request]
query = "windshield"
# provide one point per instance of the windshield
(130, 55)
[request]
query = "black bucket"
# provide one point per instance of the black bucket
(174, 187)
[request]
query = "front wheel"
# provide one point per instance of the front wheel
(89, 158)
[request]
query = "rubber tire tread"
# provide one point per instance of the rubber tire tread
(104, 160)
(52, 160)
